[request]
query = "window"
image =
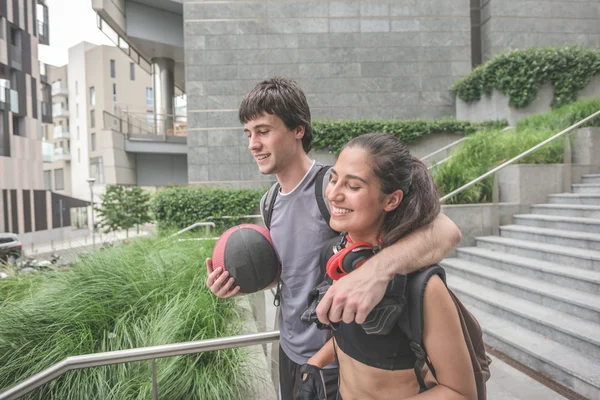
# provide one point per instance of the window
(48, 180)
(2, 28)
(114, 92)
(92, 96)
(132, 71)
(15, 37)
(79, 156)
(92, 118)
(113, 71)
(76, 88)
(59, 183)
(97, 169)
(77, 132)
(56, 85)
(149, 97)
(77, 110)
(93, 142)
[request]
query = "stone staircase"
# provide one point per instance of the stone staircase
(535, 289)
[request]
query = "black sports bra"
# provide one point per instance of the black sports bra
(390, 352)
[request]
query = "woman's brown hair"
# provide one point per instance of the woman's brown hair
(397, 169)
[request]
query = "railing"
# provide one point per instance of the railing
(47, 152)
(139, 354)
(129, 124)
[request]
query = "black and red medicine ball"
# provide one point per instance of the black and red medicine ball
(246, 251)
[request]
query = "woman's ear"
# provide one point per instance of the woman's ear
(392, 200)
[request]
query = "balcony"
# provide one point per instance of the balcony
(59, 111)
(43, 73)
(60, 90)
(4, 98)
(62, 154)
(47, 152)
(61, 133)
(46, 112)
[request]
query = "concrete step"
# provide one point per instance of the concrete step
(555, 222)
(563, 328)
(564, 364)
(586, 188)
(567, 210)
(571, 301)
(562, 255)
(592, 199)
(561, 237)
(590, 178)
(572, 278)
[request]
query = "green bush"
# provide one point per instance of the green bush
(149, 292)
(333, 135)
(180, 207)
(520, 73)
(484, 150)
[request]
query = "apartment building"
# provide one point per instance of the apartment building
(24, 109)
(98, 84)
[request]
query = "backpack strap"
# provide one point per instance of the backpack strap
(320, 184)
(414, 329)
(267, 202)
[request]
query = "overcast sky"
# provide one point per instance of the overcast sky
(71, 22)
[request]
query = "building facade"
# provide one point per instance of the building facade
(24, 110)
(98, 84)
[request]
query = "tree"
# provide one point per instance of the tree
(124, 207)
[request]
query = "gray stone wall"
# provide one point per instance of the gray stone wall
(512, 24)
(354, 59)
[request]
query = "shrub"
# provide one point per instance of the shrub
(146, 293)
(484, 150)
(180, 207)
(333, 135)
(520, 73)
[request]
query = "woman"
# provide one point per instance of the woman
(378, 193)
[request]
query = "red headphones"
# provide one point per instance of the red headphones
(346, 258)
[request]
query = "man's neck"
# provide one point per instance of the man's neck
(290, 177)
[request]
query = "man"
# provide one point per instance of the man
(277, 121)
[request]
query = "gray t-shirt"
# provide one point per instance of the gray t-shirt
(299, 232)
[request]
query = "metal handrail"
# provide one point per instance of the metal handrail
(208, 225)
(525, 153)
(138, 354)
(443, 148)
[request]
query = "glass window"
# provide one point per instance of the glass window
(132, 71)
(48, 180)
(79, 156)
(114, 92)
(77, 132)
(97, 169)
(77, 110)
(76, 88)
(92, 96)
(59, 183)
(113, 72)
(149, 97)
(92, 118)
(93, 142)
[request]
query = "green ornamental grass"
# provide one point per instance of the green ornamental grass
(148, 292)
(484, 150)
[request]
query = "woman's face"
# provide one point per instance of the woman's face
(354, 192)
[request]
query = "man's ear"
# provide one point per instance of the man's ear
(299, 132)
(392, 201)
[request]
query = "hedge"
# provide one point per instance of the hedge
(520, 73)
(180, 207)
(332, 135)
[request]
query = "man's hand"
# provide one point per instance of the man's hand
(353, 297)
(218, 283)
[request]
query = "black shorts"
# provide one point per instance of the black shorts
(289, 376)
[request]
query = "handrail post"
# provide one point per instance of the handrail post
(568, 164)
(495, 206)
(154, 383)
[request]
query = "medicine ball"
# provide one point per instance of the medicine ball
(247, 253)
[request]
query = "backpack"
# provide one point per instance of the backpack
(413, 329)
(268, 200)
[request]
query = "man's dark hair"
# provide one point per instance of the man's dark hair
(281, 97)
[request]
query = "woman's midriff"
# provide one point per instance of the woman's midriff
(359, 381)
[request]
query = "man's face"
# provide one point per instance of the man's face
(271, 143)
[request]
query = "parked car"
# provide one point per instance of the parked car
(10, 246)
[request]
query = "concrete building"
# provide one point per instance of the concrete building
(98, 86)
(354, 58)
